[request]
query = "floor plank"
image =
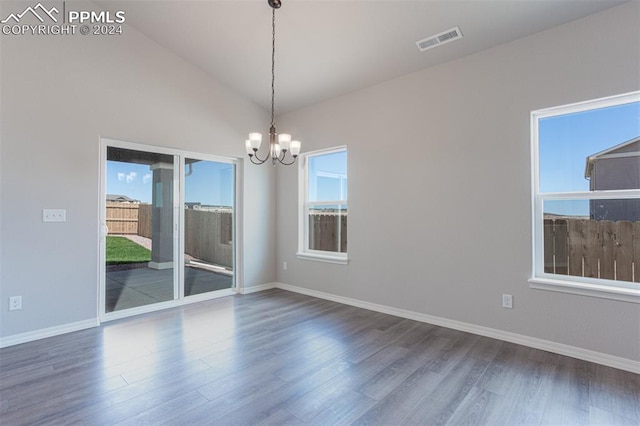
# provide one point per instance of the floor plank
(281, 358)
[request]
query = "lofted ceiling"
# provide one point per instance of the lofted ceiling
(328, 48)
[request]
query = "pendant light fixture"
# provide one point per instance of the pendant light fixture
(279, 148)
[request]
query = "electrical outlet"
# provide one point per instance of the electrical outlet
(15, 303)
(284, 266)
(507, 301)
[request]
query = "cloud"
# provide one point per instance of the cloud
(131, 177)
(146, 178)
(120, 177)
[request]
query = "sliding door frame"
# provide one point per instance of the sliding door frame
(178, 226)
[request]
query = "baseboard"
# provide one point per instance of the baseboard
(533, 342)
(256, 288)
(30, 336)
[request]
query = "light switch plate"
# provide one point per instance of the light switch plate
(507, 301)
(15, 303)
(54, 215)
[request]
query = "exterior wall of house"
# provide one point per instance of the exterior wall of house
(446, 153)
(616, 173)
(615, 210)
(631, 147)
(58, 96)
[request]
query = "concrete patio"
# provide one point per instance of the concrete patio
(130, 288)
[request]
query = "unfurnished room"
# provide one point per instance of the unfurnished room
(320, 212)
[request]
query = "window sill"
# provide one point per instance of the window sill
(327, 258)
(585, 289)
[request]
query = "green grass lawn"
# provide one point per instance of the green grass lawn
(123, 250)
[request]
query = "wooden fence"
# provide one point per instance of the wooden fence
(122, 218)
(144, 220)
(589, 248)
(208, 234)
(326, 233)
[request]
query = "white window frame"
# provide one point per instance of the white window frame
(595, 287)
(303, 205)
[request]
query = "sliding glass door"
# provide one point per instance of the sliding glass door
(168, 228)
(209, 188)
(140, 223)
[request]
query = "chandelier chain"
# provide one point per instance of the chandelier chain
(273, 64)
(279, 145)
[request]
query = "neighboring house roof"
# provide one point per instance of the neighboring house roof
(121, 198)
(625, 149)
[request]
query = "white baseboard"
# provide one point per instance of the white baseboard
(533, 342)
(30, 336)
(256, 288)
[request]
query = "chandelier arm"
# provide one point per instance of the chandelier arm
(258, 160)
(281, 160)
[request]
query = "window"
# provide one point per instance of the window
(322, 229)
(586, 198)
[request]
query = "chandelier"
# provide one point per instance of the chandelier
(277, 149)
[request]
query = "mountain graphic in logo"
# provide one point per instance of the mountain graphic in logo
(34, 11)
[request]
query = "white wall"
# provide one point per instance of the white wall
(58, 95)
(439, 184)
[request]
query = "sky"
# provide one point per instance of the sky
(210, 183)
(566, 141)
(132, 180)
(328, 177)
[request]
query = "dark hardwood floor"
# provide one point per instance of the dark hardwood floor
(280, 358)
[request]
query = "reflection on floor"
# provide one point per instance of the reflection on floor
(130, 288)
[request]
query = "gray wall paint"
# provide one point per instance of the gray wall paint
(58, 96)
(439, 184)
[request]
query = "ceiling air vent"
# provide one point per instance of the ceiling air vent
(439, 39)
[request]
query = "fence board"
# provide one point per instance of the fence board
(575, 232)
(561, 247)
(555, 246)
(226, 227)
(606, 233)
(624, 251)
(144, 220)
(343, 240)
(592, 248)
(549, 246)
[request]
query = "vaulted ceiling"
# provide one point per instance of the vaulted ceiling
(328, 48)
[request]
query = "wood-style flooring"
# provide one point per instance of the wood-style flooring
(282, 358)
